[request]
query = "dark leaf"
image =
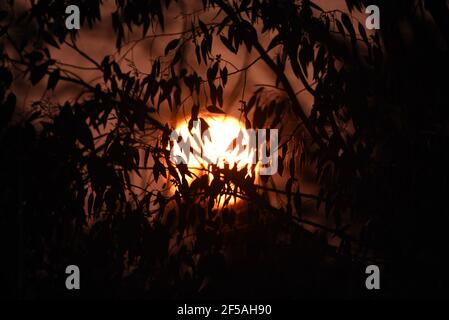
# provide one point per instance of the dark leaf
(37, 73)
(35, 56)
(195, 111)
(277, 40)
(48, 38)
(214, 109)
(315, 6)
(204, 50)
(363, 34)
(348, 25)
(212, 73)
(53, 79)
(198, 54)
(340, 28)
(220, 96)
(228, 44)
(171, 45)
(224, 76)
(84, 135)
(203, 27)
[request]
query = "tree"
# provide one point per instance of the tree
(70, 169)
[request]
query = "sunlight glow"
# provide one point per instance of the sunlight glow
(226, 144)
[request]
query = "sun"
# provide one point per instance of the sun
(219, 140)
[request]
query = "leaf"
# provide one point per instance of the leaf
(204, 129)
(292, 165)
(184, 170)
(340, 28)
(224, 76)
(35, 56)
(318, 66)
(228, 44)
(146, 26)
(348, 25)
(213, 94)
(220, 96)
(48, 38)
(173, 172)
(244, 5)
(84, 135)
(53, 79)
(214, 109)
(158, 168)
(303, 59)
(37, 73)
(250, 104)
(212, 73)
(351, 4)
(171, 45)
(280, 166)
(315, 6)
(277, 40)
(198, 54)
(106, 66)
(204, 50)
(90, 203)
(146, 156)
(203, 27)
(195, 111)
(117, 70)
(177, 57)
(363, 34)
(247, 123)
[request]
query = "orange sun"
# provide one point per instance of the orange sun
(225, 143)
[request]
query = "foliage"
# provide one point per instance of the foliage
(68, 194)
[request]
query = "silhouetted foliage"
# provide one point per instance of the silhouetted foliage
(376, 139)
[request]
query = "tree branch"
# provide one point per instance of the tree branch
(297, 108)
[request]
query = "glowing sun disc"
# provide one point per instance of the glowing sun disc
(226, 144)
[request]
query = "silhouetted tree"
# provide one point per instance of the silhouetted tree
(376, 139)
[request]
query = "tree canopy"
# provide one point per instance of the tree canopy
(89, 180)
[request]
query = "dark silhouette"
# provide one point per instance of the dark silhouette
(376, 142)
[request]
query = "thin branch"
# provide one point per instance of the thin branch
(83, 54)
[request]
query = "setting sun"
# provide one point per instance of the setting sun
(226, 142)
(221, 141)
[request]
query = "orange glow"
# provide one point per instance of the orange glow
(220, 147)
